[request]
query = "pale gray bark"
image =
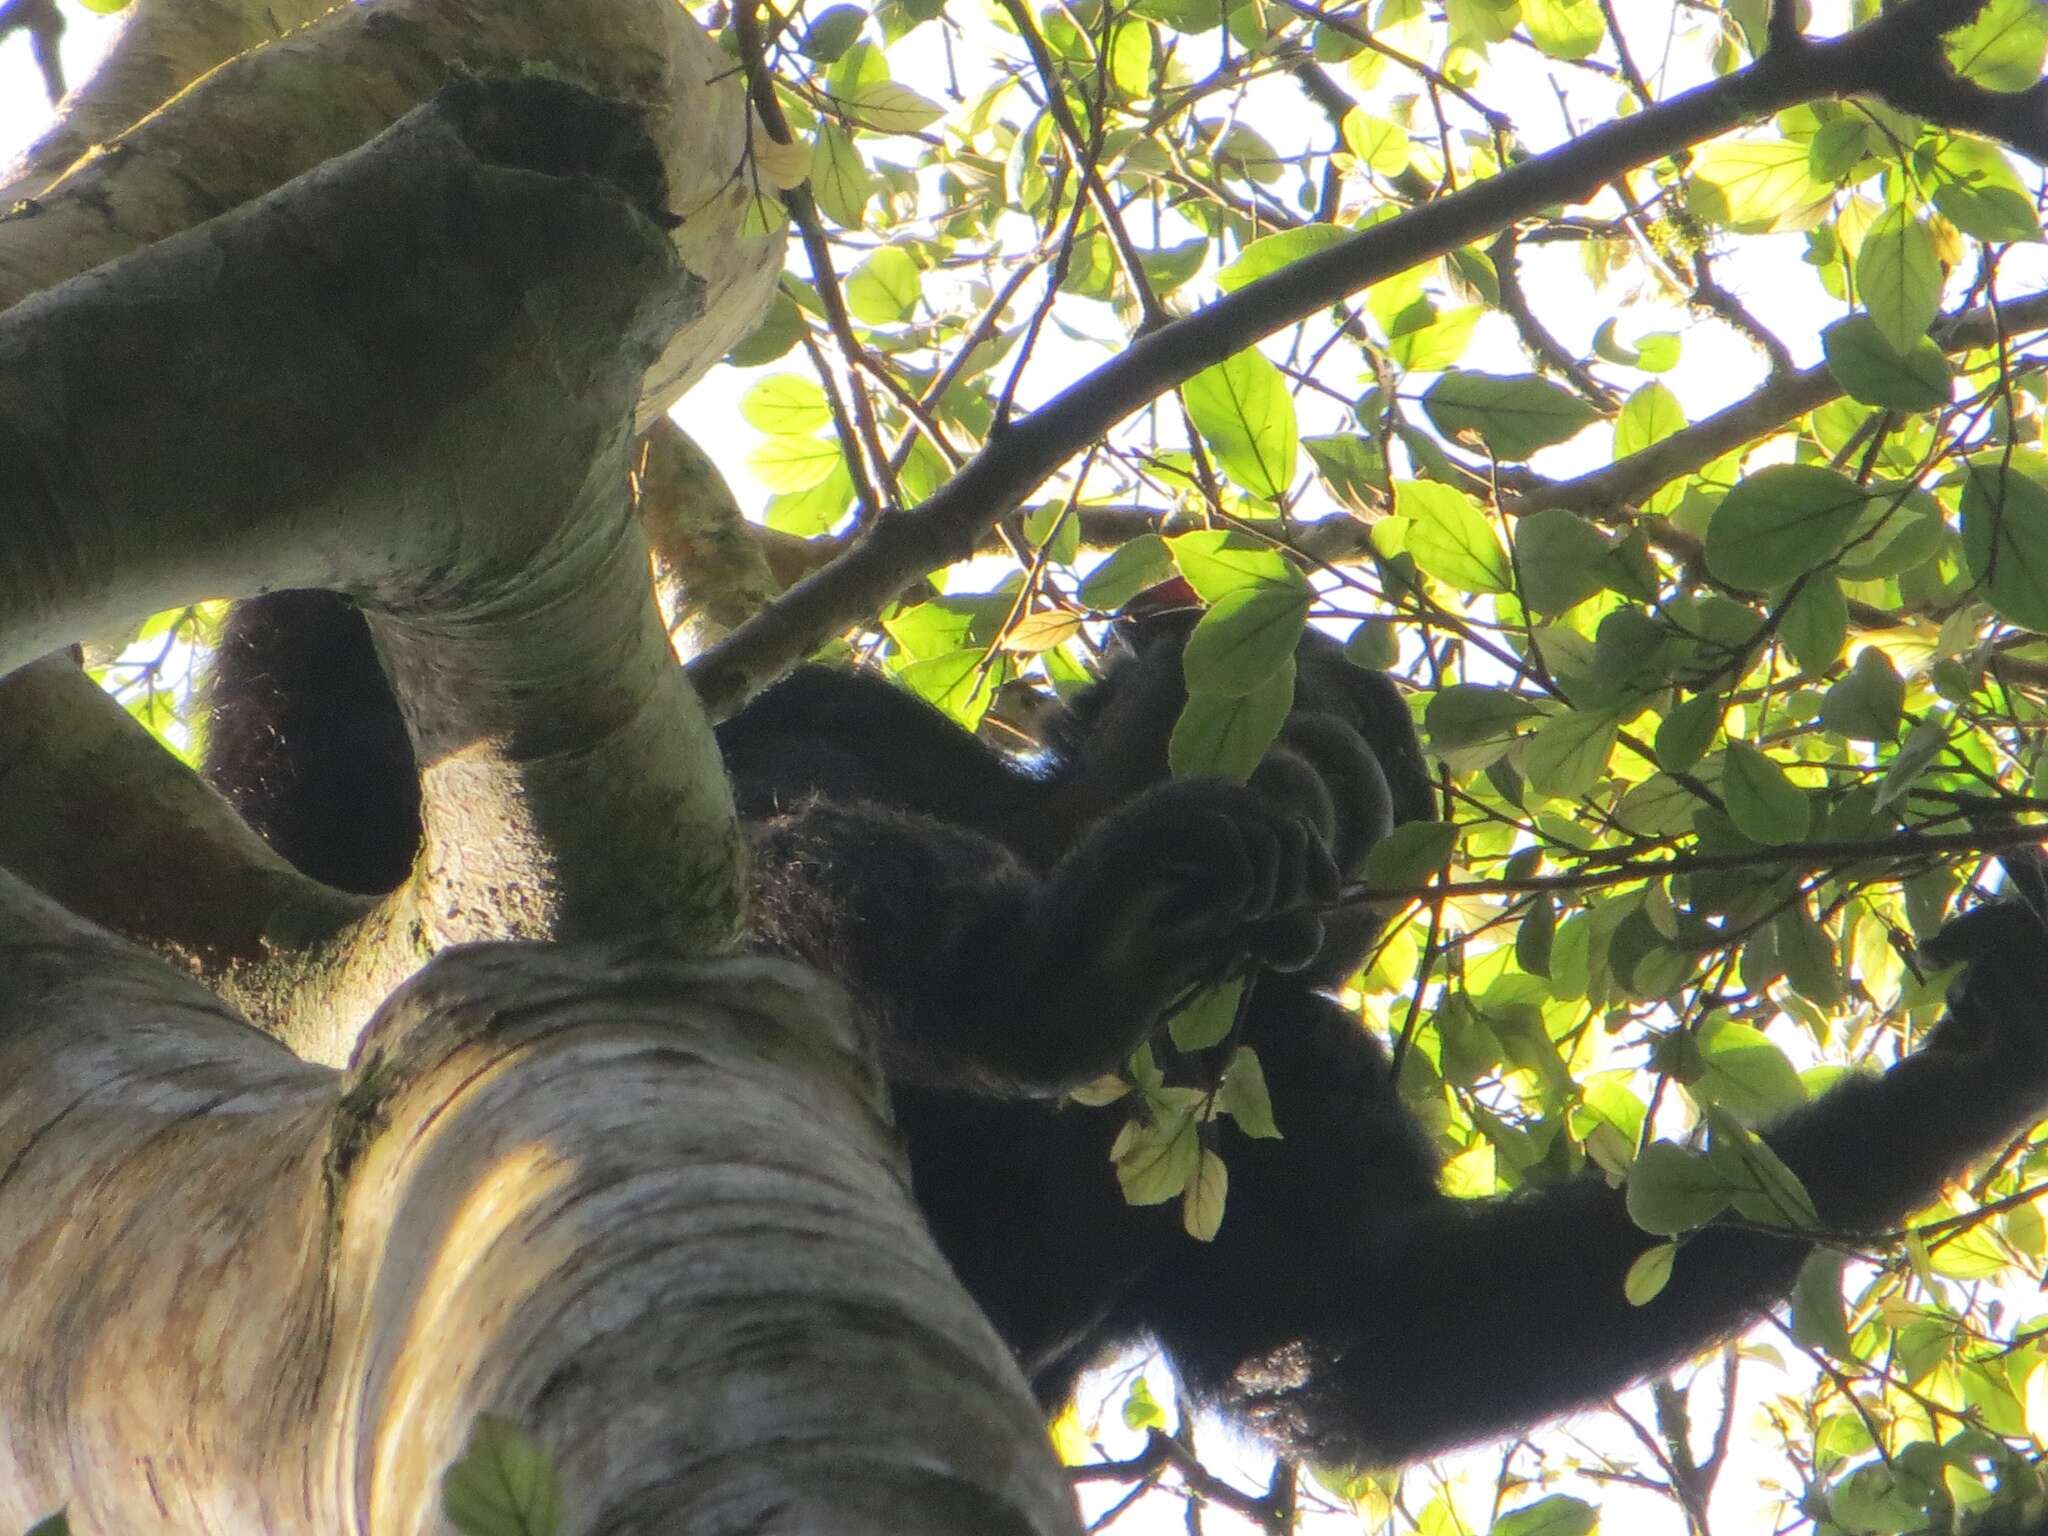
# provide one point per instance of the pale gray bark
(652, 1213)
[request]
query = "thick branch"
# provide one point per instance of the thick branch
(276, 400)
(654, 1214)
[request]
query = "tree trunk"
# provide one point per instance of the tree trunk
(642, 1202)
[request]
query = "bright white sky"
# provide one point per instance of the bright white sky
(1717, 369)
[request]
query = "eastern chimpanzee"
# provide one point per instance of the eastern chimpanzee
(1015, 927)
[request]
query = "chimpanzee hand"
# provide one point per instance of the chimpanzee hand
(1346, 759)
(1179, 886)
(1996, 1005)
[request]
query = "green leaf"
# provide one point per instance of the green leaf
(961, 683)
(1648, 416)
(1352, 467)
(1867, 704)
(1465, 714)
(1765, 806)
(1815, 623)
(1450, 537)
(1410, 855)
(789, 464)
(1818, 1318)
(1649, 1274)
(1202, 1201)
(1245, 415)
(835, 29)
(886, 107)
(1435, 341)
(1754, 186)
(1244, 1098)
(1865, 365)
(1245, 639)
(1209, 1017)
(1899, 278)
(1223, 736)
(840, 180)
(1780, 522)
(1766, 1190)
(779, 330)
(1684, 735)
(1141, 1409)
(806, 514)
(1535, 934)
(1745, 1073)
(1172, 265)
(1672, 1190)
(1976, 189)
(1130, 59)
(1512, 414)
(2005, 541)
(1567, 754)
(1377, 142)
(502, 1485)
(1217, 562)
(2002, 47)
(1808, 955)
(1557, 1515)
(786, 405)
(1565, 29)
(883, 289)
(1560, 557)
(1155, 1159)
(1270, 253)
(1136, 566)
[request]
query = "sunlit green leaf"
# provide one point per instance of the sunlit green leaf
(2002, 47)
(786, 405)
(1976, 187)
(1780, 522)
(1866, 365)
(1451, 538)
(1223, 736)
(1246, 417)
(1202, 1201)
(883, 289)
(793, 463)
(1512, 414)
(1755, 185)
(1218, 562)
(1141, 563)
(1565, 29)
(1245, 639)
(1556, 1515)
(1899, 278)
(1244, 1098)
(1649, 1274)
(1567, 754)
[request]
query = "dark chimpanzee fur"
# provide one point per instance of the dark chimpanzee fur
(1017, 928)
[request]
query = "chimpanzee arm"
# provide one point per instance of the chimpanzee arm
(1373, 1335)
(982, 974)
